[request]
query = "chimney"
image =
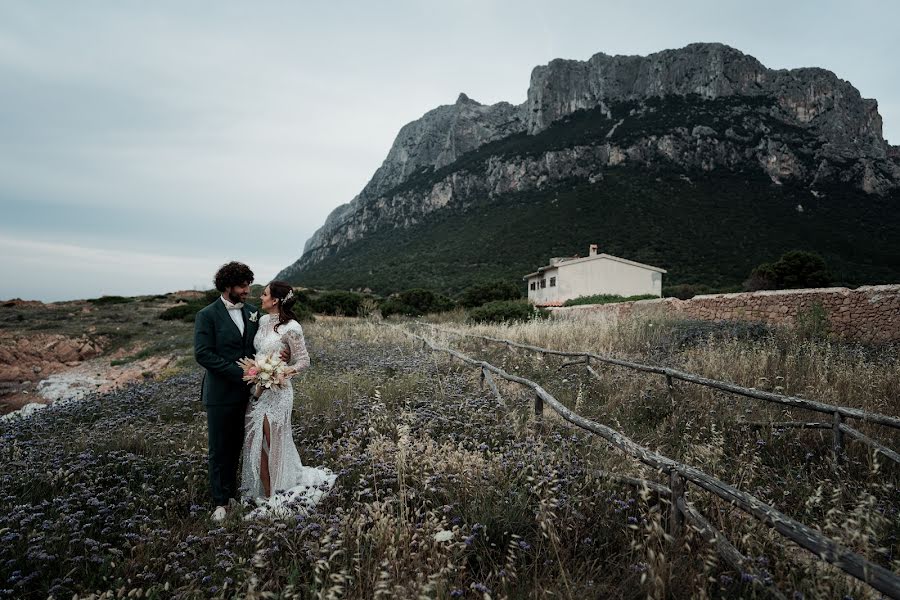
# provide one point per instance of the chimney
(593, 250)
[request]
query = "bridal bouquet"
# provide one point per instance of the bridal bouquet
(265, 371)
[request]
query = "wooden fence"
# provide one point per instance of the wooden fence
(880, 578)
(837, 413)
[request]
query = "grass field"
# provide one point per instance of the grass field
(445, 492)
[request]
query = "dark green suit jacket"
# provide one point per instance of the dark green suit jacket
(218, 344)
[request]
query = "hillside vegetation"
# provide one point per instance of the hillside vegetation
(708, 229)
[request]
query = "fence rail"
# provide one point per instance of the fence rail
(795, 401)
(838, 413)
(880, 578)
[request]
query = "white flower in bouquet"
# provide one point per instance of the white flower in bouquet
(266, 371)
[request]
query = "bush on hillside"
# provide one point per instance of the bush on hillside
(426, 301)
(104, 300)
(500, 289)
(393, 306)
(795, 269)
(506, 311)
(338, 303)
(183, 312)
(415, 303)
(186, 310)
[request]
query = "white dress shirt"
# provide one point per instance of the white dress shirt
(234, 311)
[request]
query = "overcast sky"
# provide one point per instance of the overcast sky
(143, 144)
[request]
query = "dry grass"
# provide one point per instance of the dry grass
(445, 492)
(856, 504)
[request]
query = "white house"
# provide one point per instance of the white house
(567, 278)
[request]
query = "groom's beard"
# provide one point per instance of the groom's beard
(234, 298)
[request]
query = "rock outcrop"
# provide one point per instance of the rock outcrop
(801, 125)
(35, 356)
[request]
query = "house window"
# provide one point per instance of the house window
(543, 283)
(533, 286)
(553, 282)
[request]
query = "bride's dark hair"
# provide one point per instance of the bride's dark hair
(284, 293)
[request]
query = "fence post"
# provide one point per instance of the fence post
(590, 369)
(538, 406)
(837, 438)
(481, 379)
(671, 388)
(676, 519)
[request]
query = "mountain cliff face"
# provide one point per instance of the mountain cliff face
(701, 108)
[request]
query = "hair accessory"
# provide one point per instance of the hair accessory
(289, 295)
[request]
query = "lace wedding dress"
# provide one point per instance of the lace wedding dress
(292, 484)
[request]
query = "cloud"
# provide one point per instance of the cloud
(72, 271)
(249, 123)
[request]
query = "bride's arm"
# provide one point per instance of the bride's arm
(297, 345)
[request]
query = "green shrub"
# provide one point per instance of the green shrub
(505, 311)
(812, 323)
(606, 299)
(425, 301)
(187, 310)
(795, 269)
(393, 306)
(183, 312)
(500, 289)
(414, 303)
(104, 300)
(338, 303)
(303, 312)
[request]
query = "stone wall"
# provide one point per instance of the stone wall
(867, 314)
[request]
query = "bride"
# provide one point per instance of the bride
(272, 474)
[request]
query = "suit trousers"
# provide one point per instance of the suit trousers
(226, 439)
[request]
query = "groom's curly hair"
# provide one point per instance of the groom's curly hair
(232, 274)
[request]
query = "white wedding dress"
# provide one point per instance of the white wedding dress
(294, 486)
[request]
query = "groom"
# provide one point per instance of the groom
(223, 333)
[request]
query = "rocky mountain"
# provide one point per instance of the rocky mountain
(705, 108)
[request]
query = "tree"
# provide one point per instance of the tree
(425, 301)
(799, 269)
(338, 303)
(761, 278)
(415, 302)
(500, 289)
(795, 269)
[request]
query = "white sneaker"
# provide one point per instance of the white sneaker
(219, 514)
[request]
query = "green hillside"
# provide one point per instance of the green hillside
(711, 230)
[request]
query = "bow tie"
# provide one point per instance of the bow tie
(231, 306)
